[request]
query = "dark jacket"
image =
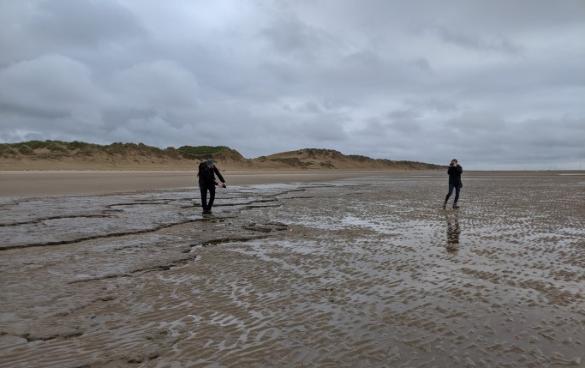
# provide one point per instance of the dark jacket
(455, 175)
(210, 180)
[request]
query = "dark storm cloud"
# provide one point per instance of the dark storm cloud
(497, 84)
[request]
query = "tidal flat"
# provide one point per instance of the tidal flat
(357, 272)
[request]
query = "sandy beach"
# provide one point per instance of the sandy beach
(43, 183)
(353, 271)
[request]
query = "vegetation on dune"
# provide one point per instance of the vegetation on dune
(310, 153)
(48, 148)
(140, 149)
(293, 162)
(331, 159)
(199, 152)
(119, 152)
(359, 157)
(52, 149)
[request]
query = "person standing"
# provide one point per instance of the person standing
(207, 183)
(455, 170)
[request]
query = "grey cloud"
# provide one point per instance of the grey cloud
(52, 85)
(157, 84)
(78, 29)
(423, 64)
(494, 42)
(292, 38)
(84, 23)
(497, 84)
(430, 103)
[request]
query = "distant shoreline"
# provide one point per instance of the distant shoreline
(227, 170)
(51, 183)
(90, 182)
(278, 171)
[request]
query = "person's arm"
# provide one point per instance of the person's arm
(459, 170)
(216, 171)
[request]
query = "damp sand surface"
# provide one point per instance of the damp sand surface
(68, 182)
(362, 272)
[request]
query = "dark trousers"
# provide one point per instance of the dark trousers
(457, 190)
(204, 187)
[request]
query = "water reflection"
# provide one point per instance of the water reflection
(453, 232)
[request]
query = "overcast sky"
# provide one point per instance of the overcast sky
(495, 83)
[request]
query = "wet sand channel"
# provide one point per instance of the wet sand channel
(361, 272)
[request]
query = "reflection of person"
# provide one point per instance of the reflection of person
(207, 182)
(453, 232)
(454, 172)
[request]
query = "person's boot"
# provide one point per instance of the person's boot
(455, 206)
(445, 205)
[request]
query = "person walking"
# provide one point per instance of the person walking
(207, 183)
(455, 170)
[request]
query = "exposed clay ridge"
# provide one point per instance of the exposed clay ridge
(29, 337)
(164, 267)
(174, 263)
(125, 233)
(41, 219)
(231, 240)
(266, 228)
(94, 237)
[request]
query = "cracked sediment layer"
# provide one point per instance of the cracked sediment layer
(358, 272)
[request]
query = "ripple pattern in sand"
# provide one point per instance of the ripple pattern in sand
(357, 273)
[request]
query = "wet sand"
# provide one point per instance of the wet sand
(43, 183)
(360, 272)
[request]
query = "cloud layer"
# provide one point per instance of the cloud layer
(497, 84)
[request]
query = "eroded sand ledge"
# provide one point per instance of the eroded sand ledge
(362, 271)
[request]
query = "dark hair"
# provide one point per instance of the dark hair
(454, 160)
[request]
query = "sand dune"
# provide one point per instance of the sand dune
(57, 155)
